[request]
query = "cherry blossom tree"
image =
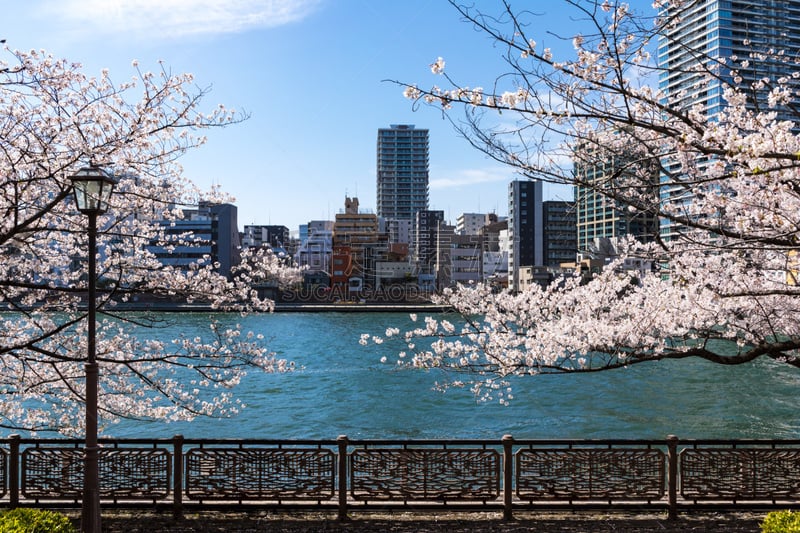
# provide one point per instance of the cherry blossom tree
(724, 286)
(55, 119)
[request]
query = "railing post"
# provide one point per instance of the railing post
(672, 476)
(177, 477)
(341, 440)
(508, 476)
(13, 471)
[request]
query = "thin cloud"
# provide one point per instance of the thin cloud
(177, 18)
(468, 177)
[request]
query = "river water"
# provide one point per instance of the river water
(342, 388)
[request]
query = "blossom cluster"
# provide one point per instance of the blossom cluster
(57, 119)
(723, 285)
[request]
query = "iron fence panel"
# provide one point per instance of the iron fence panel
(131, 473)
(4, 471)
(425, 474)
(260, 473)
(590, 474)
(740, 473)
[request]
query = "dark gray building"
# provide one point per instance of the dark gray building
(260, 235)
(560, 234)
(525, 228)
(206, 235)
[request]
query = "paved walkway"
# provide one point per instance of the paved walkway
(225, 522)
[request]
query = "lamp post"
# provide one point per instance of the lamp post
(93, 187)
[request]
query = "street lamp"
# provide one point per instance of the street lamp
(93, 187)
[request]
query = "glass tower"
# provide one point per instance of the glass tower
(724, 33)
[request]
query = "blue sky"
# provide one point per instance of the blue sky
(310, 73)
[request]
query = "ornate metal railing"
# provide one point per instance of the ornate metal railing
(260, 474)
(740, 473)
(424, 474)
(347, 475)
(3, 473)
(590, 474)
(57, 473)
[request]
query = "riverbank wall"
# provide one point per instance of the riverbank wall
(304, 307)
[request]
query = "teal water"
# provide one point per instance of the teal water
(344, 389)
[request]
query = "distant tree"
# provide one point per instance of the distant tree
(727, 291)
(54, 119)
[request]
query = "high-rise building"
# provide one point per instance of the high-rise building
(711, 30)
(598, 216)
(402, 172)
(525, 228)
(560, 237)
(721, 32)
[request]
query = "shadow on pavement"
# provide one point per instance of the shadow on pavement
(141, 522)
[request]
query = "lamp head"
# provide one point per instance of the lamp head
(93, 187)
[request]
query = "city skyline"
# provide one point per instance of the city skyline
(312, 74)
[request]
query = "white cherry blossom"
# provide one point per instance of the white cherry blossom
(55, 120)
(724, 289)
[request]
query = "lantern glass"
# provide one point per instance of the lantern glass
(93, 187)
